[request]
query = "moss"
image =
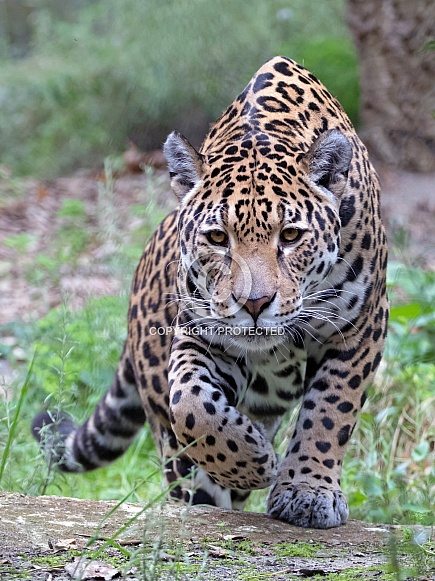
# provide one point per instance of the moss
(296, 549)
(252, 574)
(247, 547)
(8, 571)
(179, 569)
(50, 560)
(109, 555)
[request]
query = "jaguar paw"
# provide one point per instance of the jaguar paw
(307, 506)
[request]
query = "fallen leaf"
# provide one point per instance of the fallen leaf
(65, 544)
(82, 569)
(135, 160)
(220, 553)
(41, 192)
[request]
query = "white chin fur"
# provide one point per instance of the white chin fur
(257, 342)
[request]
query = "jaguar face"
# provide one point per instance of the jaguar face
(256, 240)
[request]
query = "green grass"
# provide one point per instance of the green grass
(389, 472)
(14, 420)
(70, 354)
(141, 69)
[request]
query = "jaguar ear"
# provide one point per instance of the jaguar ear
(329, 159)
(184, 164)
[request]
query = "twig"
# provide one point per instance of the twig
(131, 542)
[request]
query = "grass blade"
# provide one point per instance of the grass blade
(11, 434)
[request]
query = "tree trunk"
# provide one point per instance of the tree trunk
(397, 71)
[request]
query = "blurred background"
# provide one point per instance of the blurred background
(81, 78)
(89, 89)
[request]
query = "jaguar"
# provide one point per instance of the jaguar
(264, 290)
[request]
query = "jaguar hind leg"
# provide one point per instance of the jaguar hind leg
(186, 481)
(195, 486)
(239, 498)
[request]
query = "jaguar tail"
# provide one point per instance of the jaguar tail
(105, 436)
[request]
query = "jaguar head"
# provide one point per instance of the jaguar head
(259, 230)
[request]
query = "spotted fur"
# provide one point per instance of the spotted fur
(272, 269)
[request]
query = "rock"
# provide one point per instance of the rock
(224, 542)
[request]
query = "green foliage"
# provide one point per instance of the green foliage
(412, 321)
(144, 67)
(390, 467)
(86, 352)
(73, 234)
(75, 362)
(13, 424)
(19, 242)
(77, 351)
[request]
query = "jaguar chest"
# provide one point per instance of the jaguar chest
(275, 385)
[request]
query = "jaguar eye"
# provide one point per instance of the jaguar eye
(290, 235)
(217, 237)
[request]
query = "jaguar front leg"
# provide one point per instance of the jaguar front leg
(204, 390)
(307, 491)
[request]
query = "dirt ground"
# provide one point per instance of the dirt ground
(408, 207)
(408, 210)
(208, 543)
(33, 211)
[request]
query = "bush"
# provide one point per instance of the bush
(389, 472)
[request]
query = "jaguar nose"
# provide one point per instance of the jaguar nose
(257, 306)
